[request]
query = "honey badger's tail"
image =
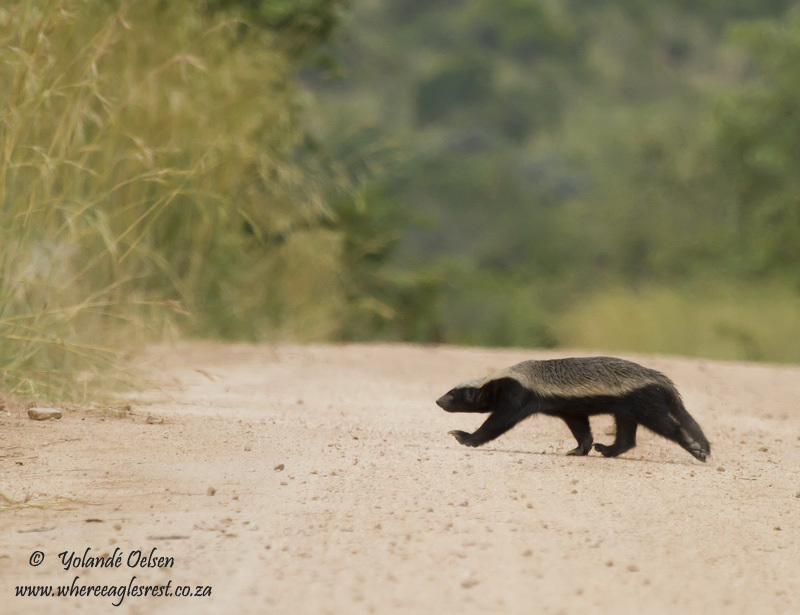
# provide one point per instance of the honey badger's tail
(691, 436)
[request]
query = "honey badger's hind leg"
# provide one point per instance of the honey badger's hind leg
(625, 439)
(579, 426)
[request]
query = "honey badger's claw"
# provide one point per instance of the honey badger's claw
(578, 451)
(462, 436)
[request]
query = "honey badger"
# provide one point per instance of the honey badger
(573, 390)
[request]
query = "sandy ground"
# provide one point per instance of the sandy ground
(321, 479)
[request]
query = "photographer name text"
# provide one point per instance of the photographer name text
(117, 559)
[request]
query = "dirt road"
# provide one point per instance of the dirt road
(321, 479)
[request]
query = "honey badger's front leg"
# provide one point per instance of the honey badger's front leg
(499, 422)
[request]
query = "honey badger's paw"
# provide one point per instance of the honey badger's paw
(697, 451)
(606, 451)
(463, 437)
(579, 451)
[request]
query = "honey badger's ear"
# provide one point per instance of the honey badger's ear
(491, 391)
(497, 390)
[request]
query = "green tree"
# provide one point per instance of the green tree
(759, 151)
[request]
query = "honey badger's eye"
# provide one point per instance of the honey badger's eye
(471, 395)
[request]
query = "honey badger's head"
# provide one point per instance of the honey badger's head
(462, 399)
(471, 396)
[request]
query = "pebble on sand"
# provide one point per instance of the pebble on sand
(43, 414)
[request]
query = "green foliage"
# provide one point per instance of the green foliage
(301, 25)
(520, 29)
(565, 155)
(452, 88)
(759, 151)
(712, 319)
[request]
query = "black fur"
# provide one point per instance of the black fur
(655, 406)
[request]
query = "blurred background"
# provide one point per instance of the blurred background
(617, 175)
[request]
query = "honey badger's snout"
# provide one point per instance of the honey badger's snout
(445, 402)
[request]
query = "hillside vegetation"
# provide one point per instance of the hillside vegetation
(616, 174)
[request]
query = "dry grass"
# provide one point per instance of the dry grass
(59, 504)
(148, 152)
